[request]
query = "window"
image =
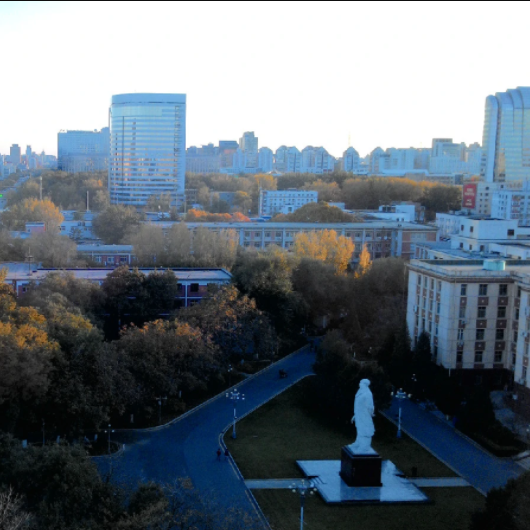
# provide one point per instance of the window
(463, 289)
(179, 286)
(424, 303)
(501, 312)
(471, 228)
(481, 312)
(483, 289)
(515, 336)
(516, 313)
(430, 326)
(511, 232)
(439, 286)
(278, 235)
(425, 282)
(431, 304)
(462, 313)
(267, 234)
(518, 292)
(438, 305)
(460, 335)
(194, 288)
(499, 334)
(419, 279)
(459, 356)
(436, 331)
(498, 357)
(525, 372)
(514, 359)
(503, 289)
(479, 334)
(478, 356)
(423, 324)
(97, 259)
(432, 284)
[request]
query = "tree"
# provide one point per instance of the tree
(178, 243)
(243, 201)
(12, 514)
(338, 375)
(365, 262)
(33, 210)
(506, 508)
(112, 224)
(166, 358)
(234, 323)
(160, 202)
(148, 244)
(317, 212)
(325, 246)
(327, 191)
(441, 199)
(266, 277)
(211, 249)
(53, 250)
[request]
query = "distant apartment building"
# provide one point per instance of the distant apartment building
(203, 159)
(272, 202)
(316, 160)
(265, 160)
(83, 151)
(249, 142)
(351, 160)
(506, 136)
(512, 204)
(287, 159)
(147, 148)
(448, 157)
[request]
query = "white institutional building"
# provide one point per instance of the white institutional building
(272, 202)
(477, 315)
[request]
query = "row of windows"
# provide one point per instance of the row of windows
(479, 357)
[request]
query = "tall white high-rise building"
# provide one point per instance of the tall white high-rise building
(147, 148)
(506, 136)
(249, 142)
(351, 160)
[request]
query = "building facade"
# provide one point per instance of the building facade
(83, 151)
(147, 148)
(272, 202)
(506, 136)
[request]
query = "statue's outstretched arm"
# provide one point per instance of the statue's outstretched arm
(353, 418)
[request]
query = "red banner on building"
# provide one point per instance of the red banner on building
(469, 196)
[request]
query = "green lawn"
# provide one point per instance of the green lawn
(284, 430)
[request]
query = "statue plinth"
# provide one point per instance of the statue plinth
(360, 470)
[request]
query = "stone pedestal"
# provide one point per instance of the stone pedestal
(360, 470)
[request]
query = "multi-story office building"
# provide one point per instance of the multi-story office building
(147, 148)
(272, 202)
(506, 136)
(249, 142)
(83, 151)
(15, 155)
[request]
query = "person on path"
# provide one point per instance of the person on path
(219, 454)
(227, 454)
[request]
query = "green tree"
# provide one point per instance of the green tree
(506, 508)
(234, 323)
(148, 244)
(441, 199)
(53, 250)
(112, 224)
(178, 246)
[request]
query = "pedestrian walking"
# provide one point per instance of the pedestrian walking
(219, 454)
(227, 454)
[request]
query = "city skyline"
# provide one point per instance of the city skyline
(302, 78)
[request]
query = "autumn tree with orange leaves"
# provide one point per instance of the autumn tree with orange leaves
(325, 246)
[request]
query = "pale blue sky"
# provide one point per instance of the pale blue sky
(389, 74)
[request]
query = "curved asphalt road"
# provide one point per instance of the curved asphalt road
(187, 448)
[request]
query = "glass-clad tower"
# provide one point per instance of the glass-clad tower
(147, 148)
(506, 136)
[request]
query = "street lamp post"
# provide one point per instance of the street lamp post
(109, 431)
(159, 399)
(235, 396)
(229, 375)
(400, 395)
(304, 489)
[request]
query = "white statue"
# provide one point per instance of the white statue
(363, 412)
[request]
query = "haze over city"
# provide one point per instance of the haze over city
(330, 74)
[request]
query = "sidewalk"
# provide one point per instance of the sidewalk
(481, 469)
